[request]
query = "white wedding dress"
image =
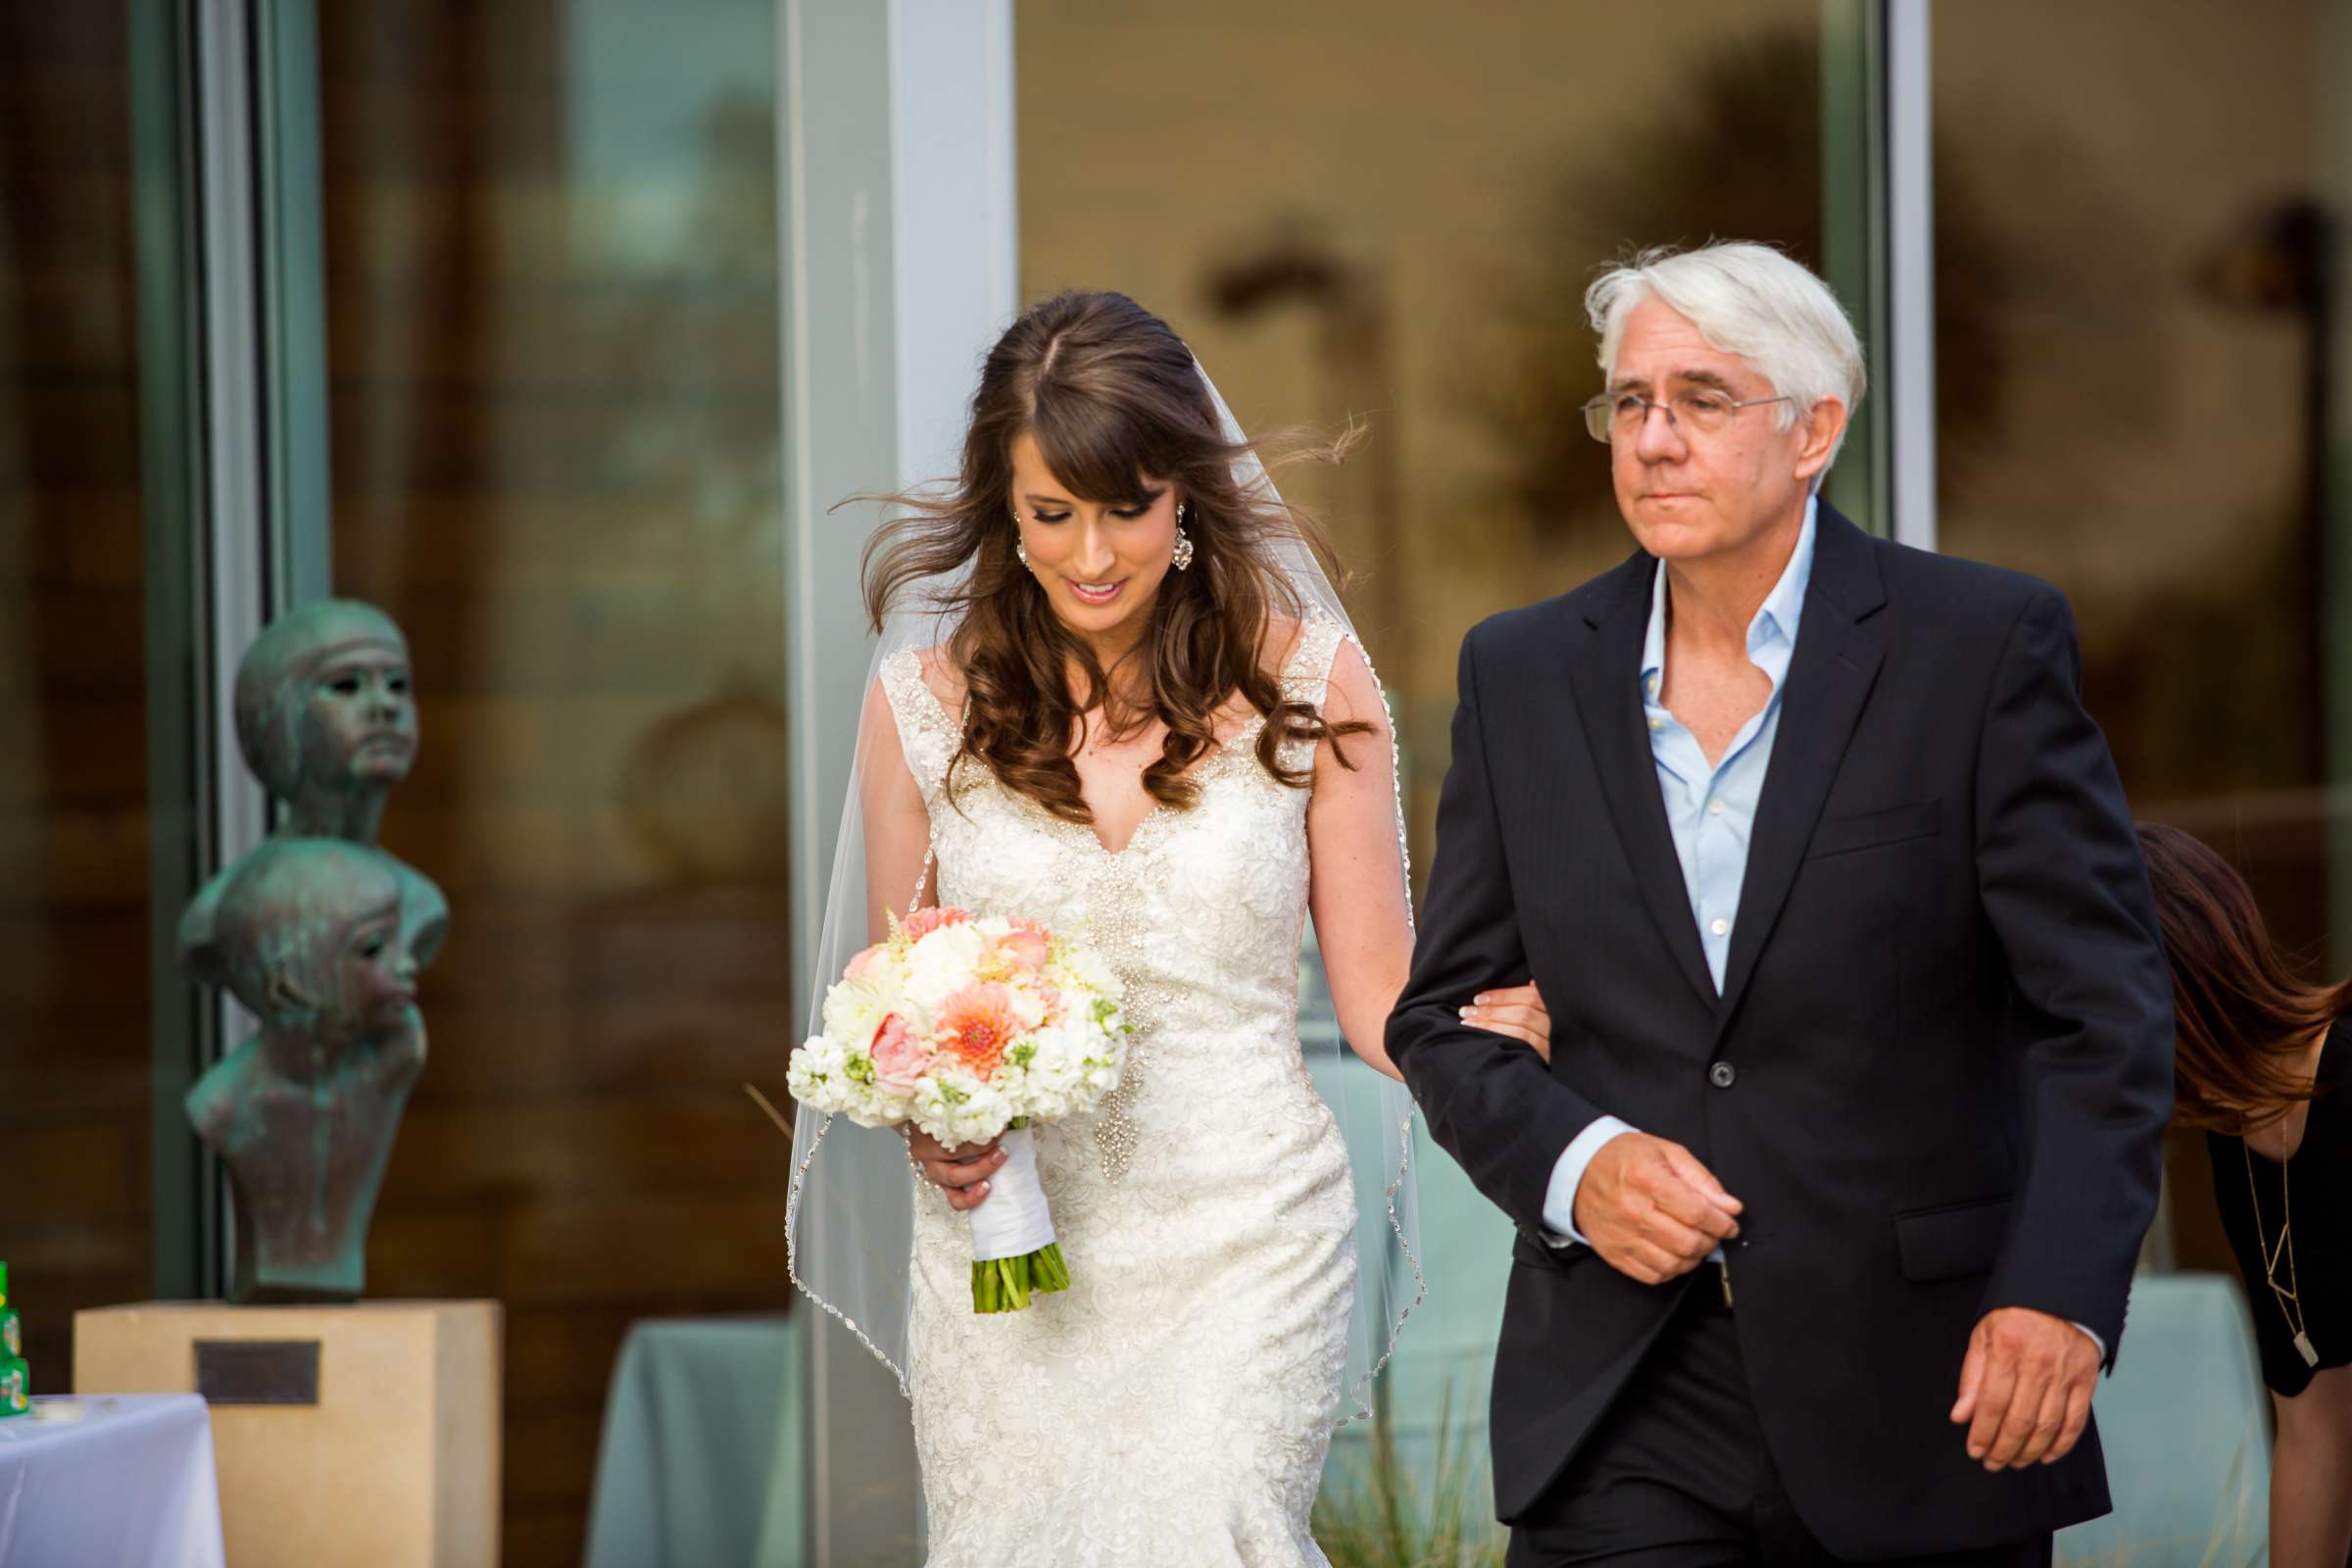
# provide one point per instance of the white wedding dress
(1175, 1404)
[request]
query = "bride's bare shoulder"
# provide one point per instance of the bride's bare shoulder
(936, 670)
(1314, 641)
(1279, 644)
(943, 676)
(1350, 694)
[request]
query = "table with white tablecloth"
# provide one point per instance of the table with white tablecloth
(122, 1479)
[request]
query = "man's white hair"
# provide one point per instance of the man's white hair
(1750, 300)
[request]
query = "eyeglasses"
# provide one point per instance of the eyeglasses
(1621, 414)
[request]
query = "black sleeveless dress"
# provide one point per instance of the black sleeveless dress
(2317, 1182)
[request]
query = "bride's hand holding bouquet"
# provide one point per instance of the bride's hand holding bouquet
(968, 1030)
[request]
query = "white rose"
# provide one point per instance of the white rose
(942, 964)
(886, 970)
(855, 1009)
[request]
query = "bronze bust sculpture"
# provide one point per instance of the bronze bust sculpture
(327, 723)
(305, 1112)
(308, 932)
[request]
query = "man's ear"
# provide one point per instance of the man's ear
(1825, 422)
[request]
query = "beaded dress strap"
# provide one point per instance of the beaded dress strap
(927, 734)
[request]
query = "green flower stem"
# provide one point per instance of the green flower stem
(1005, 1284)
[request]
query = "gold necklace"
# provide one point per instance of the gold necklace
(2290, 1304)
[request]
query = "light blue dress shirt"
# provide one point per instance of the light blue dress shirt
(1711, 810)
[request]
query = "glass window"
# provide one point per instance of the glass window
(2132, 389)
(552, 296)
(1396, 218)
(76, 1058)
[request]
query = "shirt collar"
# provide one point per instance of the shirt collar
(1771, 635)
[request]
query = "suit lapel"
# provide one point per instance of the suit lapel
(1840, 644)
(1606, 675)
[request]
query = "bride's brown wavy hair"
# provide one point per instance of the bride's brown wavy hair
(1116, 405)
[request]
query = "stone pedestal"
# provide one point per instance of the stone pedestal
(365, 1435)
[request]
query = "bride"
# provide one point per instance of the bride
(1117, 695)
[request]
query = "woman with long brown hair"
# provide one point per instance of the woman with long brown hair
(2262, 1058)
(1116, 694)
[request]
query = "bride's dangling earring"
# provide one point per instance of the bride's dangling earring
(1020, 546)
(1182, 555)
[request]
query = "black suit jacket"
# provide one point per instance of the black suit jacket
(1945, 1019)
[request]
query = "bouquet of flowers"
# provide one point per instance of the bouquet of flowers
(971, 1028)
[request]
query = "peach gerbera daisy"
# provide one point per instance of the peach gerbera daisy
(977, 1025)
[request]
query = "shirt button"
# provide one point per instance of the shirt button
(1714, 807)
(1723, 1075)
(1718, 925)
(1657, 723)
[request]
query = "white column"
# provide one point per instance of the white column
(1910, 396)
(238, 568)
(956, 252)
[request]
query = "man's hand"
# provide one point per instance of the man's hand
(962, 1172)
(2025, 1389)
(1650, 1209)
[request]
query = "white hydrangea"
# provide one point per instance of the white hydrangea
(956, 1108)
(1076, 969)
(815, 1075)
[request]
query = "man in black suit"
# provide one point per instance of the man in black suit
(1830, 1193)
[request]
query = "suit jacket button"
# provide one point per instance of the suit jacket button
(1722, 1074)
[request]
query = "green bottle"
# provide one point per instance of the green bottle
(15, 1378)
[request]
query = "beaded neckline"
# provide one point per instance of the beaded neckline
(1229, 756)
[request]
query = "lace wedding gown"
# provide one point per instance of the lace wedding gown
(1175, 1404)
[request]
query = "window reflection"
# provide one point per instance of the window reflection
(1396, 218)
(552, 295)
(75, 1052)
(2157, 342)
